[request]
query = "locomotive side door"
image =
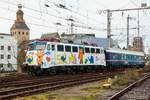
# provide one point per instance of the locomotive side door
(53, 54)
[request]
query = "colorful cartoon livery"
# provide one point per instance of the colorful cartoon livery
(53, 57)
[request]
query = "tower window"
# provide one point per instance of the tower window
(22, 33)
(19, 33)
(27, 33)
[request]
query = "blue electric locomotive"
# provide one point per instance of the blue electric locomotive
(124, 58)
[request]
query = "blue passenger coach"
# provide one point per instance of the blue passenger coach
(124, 58)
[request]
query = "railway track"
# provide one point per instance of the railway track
(41, 80)
(139, 90)
(28, 87)
(13, 78)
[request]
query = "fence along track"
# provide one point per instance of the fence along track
(124, 91)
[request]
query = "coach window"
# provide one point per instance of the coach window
(48, 47)
(60, 47)
(75, 49)
(53, 47)
(135, 57)
(68, 48)
(123, 56)
(140, 57)
(92, 50)
(87, 50)
(97, 50)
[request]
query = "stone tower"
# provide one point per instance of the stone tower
(19, 29)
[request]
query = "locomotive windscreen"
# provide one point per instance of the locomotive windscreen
(40, 45)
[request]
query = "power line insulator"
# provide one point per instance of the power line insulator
(46, 5)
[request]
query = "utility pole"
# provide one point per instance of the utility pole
(128, 31)
(71, 27)
(128, 28)
(109, 28)
(109, 12)
(138, 23)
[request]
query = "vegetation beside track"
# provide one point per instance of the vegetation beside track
(90, 91)
(8, 74)
(130, 76)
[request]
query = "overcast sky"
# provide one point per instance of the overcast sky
(41, 19)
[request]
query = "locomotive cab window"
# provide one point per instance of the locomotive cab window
(87, 50)
(75, 49)
(102, 51)
(68, 48)
(97, 50)
(60, 47)
(48, 47)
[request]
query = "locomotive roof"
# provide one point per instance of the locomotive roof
(125, 52)
(74, 44)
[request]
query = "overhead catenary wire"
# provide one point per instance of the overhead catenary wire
(37, 18)
(35, 24)
(70, 8)
(35, 10)
(57, 23)
(38, 11)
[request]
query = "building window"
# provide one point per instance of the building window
(9, 65)
(2, 56)
(9, 48)
(27, 33)
(2, 47)
(19, 33)
(9, 57)
(23, 33)
(1, 65)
